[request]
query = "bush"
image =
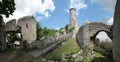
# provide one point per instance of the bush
(104, 48)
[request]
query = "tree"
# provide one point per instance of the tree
(61, 31)
(39, 33)
(97, 42)
(12, 37)
(67, 28)
(43, 32)
(7, 7)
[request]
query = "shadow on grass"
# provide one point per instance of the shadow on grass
(102, 60)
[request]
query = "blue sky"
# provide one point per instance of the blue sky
(55, 13)
(59, 17)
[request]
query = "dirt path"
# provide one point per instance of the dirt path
(7, 56)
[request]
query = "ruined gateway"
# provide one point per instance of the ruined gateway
(25, 25)
(87, 34)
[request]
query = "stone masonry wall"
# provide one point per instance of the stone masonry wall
(90, 30)
(11, 26)
(116, 33)
(25, 25)
(73, 21)
(50, 40)
(28, 28)
(87, 34)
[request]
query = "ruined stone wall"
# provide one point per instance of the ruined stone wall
(87, 31)
(28, 28)
(96, 27)
(83, 36)
(79, 37)
(26, 25)
(3, 44)
(87, 34)
(11, 26)
(50, 40)
(116, 33)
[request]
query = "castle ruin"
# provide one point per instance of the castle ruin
(25, 25)
(73, 22)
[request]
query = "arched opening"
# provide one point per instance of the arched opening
(103, 37)
(13, 39)
(103, 44)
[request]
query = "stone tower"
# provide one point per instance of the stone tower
(73, 22)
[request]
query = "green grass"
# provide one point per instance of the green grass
(95, 55)
(68, 47)
(98, 55)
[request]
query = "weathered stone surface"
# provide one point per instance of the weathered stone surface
(116, 33)
(11, 26)
(50, 40)
(47, 44)
(87, 34)
(73, 21)
(28, 28)
(89, 31)
(2, 34)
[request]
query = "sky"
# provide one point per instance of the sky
(55, 13)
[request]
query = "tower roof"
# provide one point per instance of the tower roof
(72, 9)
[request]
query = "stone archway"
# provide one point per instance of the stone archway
(87, 34)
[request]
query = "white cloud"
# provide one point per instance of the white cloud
(78, 4)
(47, 14)
(0, 0)
(86, 22)
(107, 4)
(31, 7)
(57, 28)
(108, 21)
(39, 18)
(103, 36)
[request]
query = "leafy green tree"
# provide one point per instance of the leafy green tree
(67, 28)
(43, 32)
(70, 30)
(12, 37)
(97, 42)
(7, 7)
(48, 32)
(61, 31)
(51, 32)
(39, 33)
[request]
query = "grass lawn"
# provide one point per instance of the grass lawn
(68, 47)
(98, 55)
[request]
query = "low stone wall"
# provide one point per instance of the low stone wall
(50, 40)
